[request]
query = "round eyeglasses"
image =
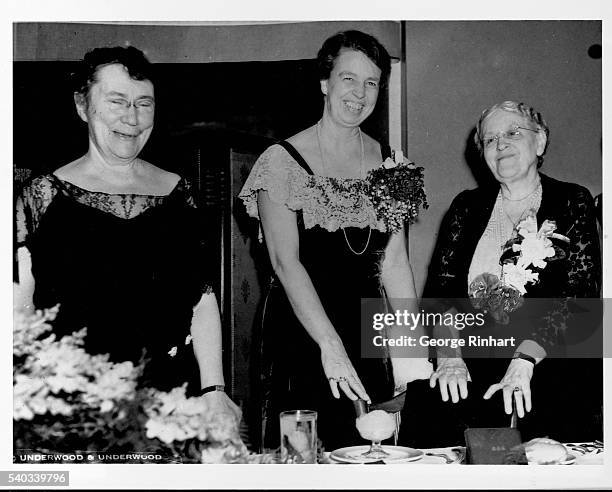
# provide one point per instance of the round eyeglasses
(514, 133)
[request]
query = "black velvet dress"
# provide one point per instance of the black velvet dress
(292, 376)
(130, 268)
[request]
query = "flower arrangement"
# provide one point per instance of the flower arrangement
(523, 257)
(66, 400)
(192, 433)
(397, 191)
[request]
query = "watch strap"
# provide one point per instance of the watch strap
(521, 355)
(214, 387)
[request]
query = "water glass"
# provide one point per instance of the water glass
(298, 430)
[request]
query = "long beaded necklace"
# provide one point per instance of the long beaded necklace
(532, 204)
(362, 174)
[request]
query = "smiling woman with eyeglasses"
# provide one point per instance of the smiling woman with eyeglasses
(116, 240)
(479, 246)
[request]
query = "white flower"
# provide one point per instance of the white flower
(389, 163)
(165, 431)
(517, 277)
(528, 224)
(165, 403)
(188, 339)
(534, 250)
(25, 385)
(215, 454)
(106, 406)
(58, 406)
(172, 351)
(21, 411)
(69, 384)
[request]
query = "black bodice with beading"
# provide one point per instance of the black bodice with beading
(130, 268)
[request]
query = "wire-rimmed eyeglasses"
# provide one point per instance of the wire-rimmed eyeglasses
(513, 134)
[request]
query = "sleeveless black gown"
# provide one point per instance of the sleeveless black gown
(293, 377)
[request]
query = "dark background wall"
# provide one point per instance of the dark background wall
(457, 69)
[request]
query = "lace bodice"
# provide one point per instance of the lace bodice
(331, 203)
(36, 197)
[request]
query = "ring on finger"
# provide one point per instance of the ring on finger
(517, 389)
(332, 379)
(342, 379)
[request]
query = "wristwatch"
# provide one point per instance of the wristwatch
(521, 355)
(214, 387)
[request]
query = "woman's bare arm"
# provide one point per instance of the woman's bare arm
(282, 239)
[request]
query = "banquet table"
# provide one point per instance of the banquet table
(586, 453)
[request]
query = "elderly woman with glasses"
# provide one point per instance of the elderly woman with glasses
(478, 247)
(115, 240)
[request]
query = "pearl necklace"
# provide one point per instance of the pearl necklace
(324, 163)
(502, 229)
(362, 173)
(534, 198)
(525, 197)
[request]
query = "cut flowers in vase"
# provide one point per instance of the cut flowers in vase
(66, 400)
(523, 257)
(397, 191)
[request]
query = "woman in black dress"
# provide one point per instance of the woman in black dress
(328, 252)
(553, 396)
(115, 240)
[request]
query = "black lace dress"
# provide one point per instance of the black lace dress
(341, 247)
(566, 392)
(130, 268)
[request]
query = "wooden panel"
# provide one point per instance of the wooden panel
(246, 289)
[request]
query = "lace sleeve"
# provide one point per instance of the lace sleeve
(278, 174)
(583, 265)
(30, 206)
(444, 275)
(585, 254)
(186, 189)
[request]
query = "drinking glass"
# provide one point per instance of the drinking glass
(298, 430)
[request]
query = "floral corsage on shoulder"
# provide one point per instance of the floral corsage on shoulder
(397, 191)
(524, 256)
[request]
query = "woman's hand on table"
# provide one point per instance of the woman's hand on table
(451, 375)
(516, 382)
(219, 402)
(340, 371)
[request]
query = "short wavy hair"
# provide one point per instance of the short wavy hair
(134, 61)
(353, 40)
(519, 108)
